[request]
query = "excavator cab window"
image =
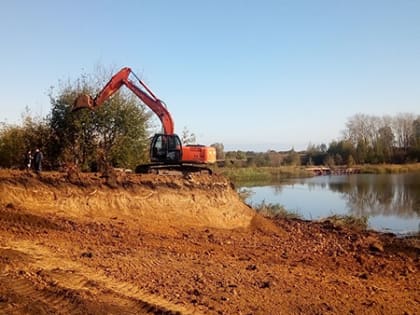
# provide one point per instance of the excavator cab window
(166, 148)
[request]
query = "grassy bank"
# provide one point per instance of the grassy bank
(389, 168)
(251, 176)
(277, 211)
(259, 175)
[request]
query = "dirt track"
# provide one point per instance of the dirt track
(185, 245)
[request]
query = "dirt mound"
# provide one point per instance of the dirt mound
(192, 200)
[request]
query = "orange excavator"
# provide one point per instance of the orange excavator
(166, 149)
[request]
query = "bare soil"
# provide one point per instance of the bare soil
(166, 244)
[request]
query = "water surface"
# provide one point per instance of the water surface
(390, 201)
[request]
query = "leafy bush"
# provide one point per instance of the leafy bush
(276, 211)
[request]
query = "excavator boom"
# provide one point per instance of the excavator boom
(147, 96)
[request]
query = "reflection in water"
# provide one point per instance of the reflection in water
(391, 201)
(371, 195)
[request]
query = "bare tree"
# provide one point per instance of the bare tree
(188, 137)
(403, 129)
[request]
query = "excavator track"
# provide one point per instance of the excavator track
(172, 169)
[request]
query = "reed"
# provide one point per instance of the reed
(389, 168)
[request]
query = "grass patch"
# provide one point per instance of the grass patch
(389, 168)
(244, 176)
(276, 211)
(251, 176)
(351, 222)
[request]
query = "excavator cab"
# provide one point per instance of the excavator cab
(166, 148)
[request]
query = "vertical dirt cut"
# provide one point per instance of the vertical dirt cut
(193, 200)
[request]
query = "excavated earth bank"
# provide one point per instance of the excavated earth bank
(167, 244)
(193, 200)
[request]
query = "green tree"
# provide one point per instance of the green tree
(72, 138)
(361, 151)
(384, 144)
(275, 158)
(315, 155)
(350, 161)
(17, 140)
(120, 131)
(343, 148)
(292, 158)
(415, 141)
(240, 155)
(416, 131)
(329, 161)
(115, 133)
(12, 146)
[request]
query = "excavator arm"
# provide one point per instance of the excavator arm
(143, 92)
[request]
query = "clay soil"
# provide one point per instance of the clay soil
(171, 244)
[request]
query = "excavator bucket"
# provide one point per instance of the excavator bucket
(83, 101)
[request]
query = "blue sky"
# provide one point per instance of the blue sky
(254, 75)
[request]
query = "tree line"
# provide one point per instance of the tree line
(366, 139)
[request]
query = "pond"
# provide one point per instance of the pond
(390, 201)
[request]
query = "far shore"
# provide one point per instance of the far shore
(273, 174)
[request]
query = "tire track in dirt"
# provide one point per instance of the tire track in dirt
(11, 217)
(27, 289)
(67, 287)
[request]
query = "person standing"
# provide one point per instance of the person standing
(38, 160)
(28, 160)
